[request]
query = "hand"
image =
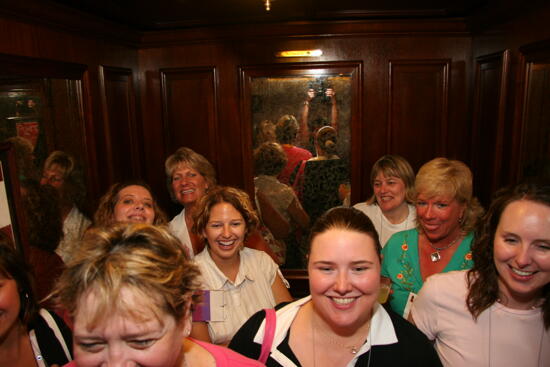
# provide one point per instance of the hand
(330, 93)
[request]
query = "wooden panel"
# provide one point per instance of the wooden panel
(535, 132)
(189, 106)
(417, 109)
(490, 93)
(118, 105)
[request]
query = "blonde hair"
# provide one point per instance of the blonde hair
(444, 177)
(140, 257)
(394, 166)
(192, 159)
(73, 190)
(223, 194)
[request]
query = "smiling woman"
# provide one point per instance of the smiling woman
(341, 323)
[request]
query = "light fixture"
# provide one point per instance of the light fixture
(267, 4)
(299, 53)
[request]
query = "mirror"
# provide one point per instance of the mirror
(305, 113)
(41, 102)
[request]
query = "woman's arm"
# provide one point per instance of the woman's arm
(298, 214)
(280, 291)
(199, 331)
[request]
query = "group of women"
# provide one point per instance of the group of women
(479, 286)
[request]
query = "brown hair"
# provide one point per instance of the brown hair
(483, 277)
(349, 219)
(269, 159)
(192, 159)
(104, 215)
(326, 139)
(392, 165)
(224, 194)
(145, 258)
(442, 177)
(286, 129)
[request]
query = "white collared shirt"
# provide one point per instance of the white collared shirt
(178, 227)
(250, 292)
(381, 331)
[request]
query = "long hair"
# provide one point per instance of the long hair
(483, 277)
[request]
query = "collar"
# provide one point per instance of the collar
(218, 280)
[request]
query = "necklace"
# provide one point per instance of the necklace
(436, 256)
(353, 349)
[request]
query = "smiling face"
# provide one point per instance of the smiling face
(154, 339)
(53, 176)
(225, 232)
(344, 277)
(389, 191)
(439, 216)
(134, 204)
(9, 306)
(188, 185)
(522, 252)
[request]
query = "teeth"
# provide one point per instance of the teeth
(183, 192)
(522, 273)
(226, 243)
(343, 301)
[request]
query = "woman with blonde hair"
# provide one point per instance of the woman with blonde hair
(130, 291)
(244, 280)
(446, 214)
(61, 172)
(390, 208)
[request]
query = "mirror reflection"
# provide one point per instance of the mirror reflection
(301, 136)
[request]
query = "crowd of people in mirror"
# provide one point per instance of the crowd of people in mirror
(129, 288)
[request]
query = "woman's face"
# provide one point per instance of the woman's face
(389, 191)
(134, 205)
(522, 252)
(53, 176)
(344, 277)
(439, 216)
(188, 184)
(225, 231)
(155, 339)
(10, 305)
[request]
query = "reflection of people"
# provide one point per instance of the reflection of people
(269, 160)
(24, 158)
(264, 132)
(446, 215)
(190, 177)
(341, 323)
(313, 116)
(60, 171)
(130, 202)
(44, 231)
(390, 207)
(498, 313)
(130, 292)
(317, 181)
(26, 332)
(287, 131)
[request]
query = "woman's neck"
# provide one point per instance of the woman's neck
(360, 330)
(397, 215)
(14, 345)
(516, 302)
(229, 267)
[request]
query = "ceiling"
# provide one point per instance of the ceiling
(147, 15)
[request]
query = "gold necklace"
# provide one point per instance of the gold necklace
(436, 256)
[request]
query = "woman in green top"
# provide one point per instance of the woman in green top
(446, 215)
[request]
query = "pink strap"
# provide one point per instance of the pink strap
(269, 333)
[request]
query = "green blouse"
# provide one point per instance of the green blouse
(401, 264)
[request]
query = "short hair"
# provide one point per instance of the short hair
(105, 213)
(269, 159)
(349, 219)
(192, 159)
(224, 194)
(144, 258)
(392, 165)
(444, 177)
(13, 266)
(42, 215)
(327, 139)
(483, 277)
(23, 150)
(286, 129)
(73, 189)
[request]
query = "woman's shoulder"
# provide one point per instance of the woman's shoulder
(397, 240)
(226, 357)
